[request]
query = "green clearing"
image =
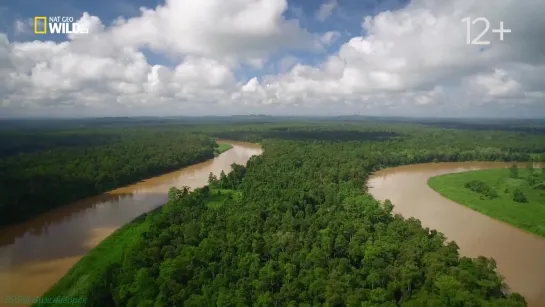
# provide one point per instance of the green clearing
(91, 269)
(222, 147)
(218, 197)
(529, 216)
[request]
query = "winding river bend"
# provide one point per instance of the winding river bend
(34, 255)
(520, 255)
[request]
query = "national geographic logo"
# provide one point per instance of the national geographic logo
(57, 25)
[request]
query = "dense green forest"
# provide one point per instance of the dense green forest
(296, 227)
(515, 195)
(41, 171)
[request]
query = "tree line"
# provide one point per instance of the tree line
(481, 188)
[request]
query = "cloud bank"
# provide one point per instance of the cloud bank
(412, 61)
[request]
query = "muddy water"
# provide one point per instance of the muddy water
(36, 254)
(520, 256)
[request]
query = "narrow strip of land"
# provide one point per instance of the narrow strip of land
(222, 147)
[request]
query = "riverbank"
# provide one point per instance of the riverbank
(84, 276)
(499, 203)
(89, 269)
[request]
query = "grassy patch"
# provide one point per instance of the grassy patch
(222, 147)
(529, 216)
(218, 197)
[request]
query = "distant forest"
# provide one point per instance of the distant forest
(296, 226)
(520, 125)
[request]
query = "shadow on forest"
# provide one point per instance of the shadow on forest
(316, 135)
(540, 129)
(12, 144)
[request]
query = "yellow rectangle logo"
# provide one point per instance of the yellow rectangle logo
(36, 25)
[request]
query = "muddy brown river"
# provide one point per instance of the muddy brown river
(520, 255)
(34, 255)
